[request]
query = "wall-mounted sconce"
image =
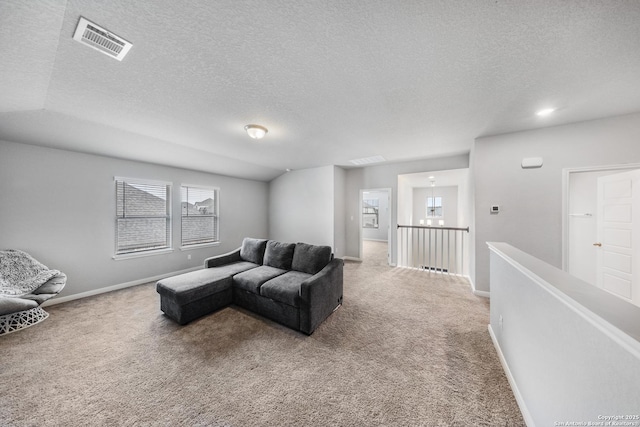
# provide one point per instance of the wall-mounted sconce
(441, 222)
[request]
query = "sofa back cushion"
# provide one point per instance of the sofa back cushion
(279, 255)
(252, 250)
(310, 258)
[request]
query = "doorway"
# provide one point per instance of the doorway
(599, 227)
(428, 203)
(375, 225)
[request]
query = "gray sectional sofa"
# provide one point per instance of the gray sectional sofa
(298, 285)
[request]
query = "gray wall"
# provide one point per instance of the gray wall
(339, 212)
(301, 206)
(531, 199)
(60, 207)
(386, 176)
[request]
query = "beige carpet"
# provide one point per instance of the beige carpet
(407, 348)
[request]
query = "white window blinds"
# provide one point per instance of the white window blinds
(199, 215)
(143, 216)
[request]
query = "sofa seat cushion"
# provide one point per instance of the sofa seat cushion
(252, 250)
(279, 255)
(195, 285)
(235, 267)
(285, 288)
(252, 280)
(310, 258)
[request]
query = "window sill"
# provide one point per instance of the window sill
(142, 254)
(198, 246)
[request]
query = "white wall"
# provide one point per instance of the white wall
(386, 176)
(449, 196)
(404, 202)
(382, 232)
(531, 199)
(301, 206)
(571, 351)
(59, 206)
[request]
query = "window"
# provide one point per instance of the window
(143, 216)
(370, 209)
(434, 207)
(199, 215)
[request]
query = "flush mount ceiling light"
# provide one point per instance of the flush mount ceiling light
(256, 131)
(545, 112)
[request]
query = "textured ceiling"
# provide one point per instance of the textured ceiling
(332, 80)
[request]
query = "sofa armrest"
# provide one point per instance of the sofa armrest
(218, 260)
(320, 295)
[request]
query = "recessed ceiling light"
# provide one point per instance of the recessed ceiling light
(256, 131)
(545, 112)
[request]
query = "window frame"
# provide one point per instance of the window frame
(375, 207)
(168, 216)
(216, 242)
(435, 207)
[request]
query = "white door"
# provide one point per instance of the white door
(618, 224)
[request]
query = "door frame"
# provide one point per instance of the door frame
(360, 234)
(566, 173)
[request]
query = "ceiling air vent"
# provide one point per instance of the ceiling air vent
(368, 160)
(100, 39)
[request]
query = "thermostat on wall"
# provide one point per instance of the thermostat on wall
(495, 209)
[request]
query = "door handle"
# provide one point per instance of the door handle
(597, 244)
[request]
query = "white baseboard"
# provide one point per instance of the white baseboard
(512, 382)
(351, 258)
(99, 291)
(376, 240)
(483, 294)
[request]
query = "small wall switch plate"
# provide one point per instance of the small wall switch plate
(495, 209)
(531, 162)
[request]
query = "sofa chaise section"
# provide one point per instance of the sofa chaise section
(191, 295)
